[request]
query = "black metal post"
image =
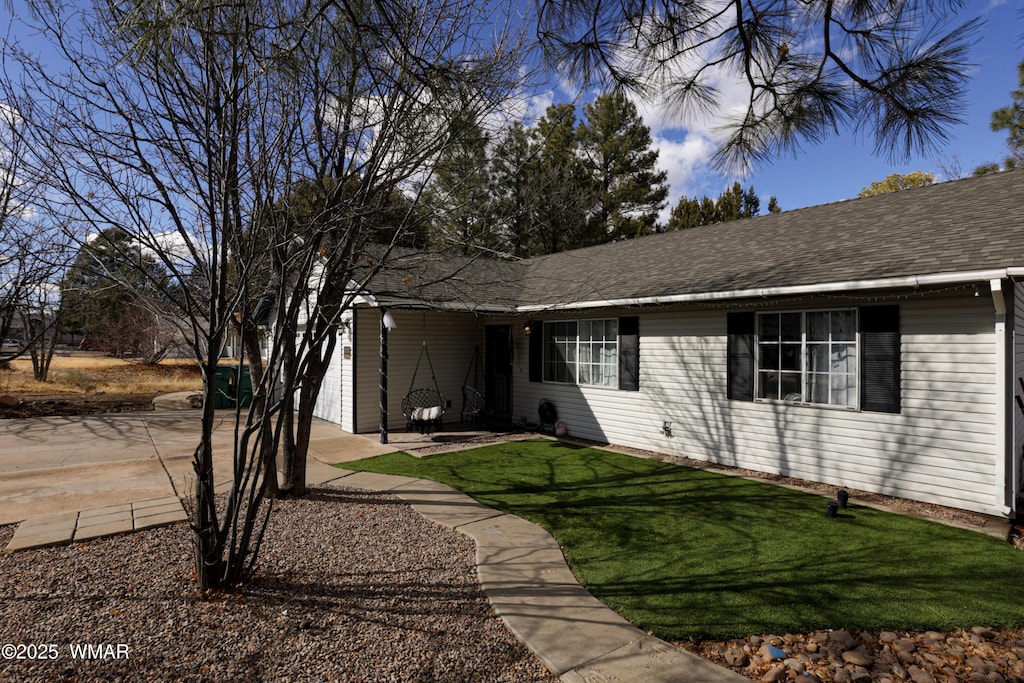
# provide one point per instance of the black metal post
(383, 377)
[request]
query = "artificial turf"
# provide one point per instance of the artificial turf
(686, 553)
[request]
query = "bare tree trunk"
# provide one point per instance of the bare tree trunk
(317, 364)
(259, 407)
(206, 539)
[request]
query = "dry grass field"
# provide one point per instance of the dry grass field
(88, 382)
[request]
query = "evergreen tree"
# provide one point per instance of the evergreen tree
(513, 190)
(733, 204)
(560, 176)
(1010, 119)
(458, 198)
(111, 287)
(805, 69)
(616, 145)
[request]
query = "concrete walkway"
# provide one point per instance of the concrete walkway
(72, 479)
(524, 575)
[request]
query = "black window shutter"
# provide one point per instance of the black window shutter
(740, 352)
(536, 350)
(629, 353)
(880, 359)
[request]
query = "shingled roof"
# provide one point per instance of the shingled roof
(961, 230)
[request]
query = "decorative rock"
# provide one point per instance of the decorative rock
(985, 650)
(844, 638)
(906, 658)
(983, 632)
(904, 645)
(771, 653)
(795, 664)
(860, 676)
(919, 675)
(842, 676)
(774, 675)
(857, 658)
(736, 657)
(888, 636)
(9, 401)
(978, 664)
(956, 650)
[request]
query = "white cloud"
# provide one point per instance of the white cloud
(685, 161)
(686, 145)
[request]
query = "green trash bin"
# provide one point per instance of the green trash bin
(225, 385)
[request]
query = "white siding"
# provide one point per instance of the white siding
(334, 403)
(940, 448)
(450, 337)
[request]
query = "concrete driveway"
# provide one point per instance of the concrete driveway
(63, 464)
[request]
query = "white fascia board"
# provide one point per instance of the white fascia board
(912, 281)
(384, 302)
(763, 292)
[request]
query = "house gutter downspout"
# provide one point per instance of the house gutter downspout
(1004, 384)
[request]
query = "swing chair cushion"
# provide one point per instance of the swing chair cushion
(426, 414)
(423, 405)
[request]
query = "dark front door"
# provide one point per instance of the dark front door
(498, 370)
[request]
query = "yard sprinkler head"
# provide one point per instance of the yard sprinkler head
(843, 497)
(832, 509)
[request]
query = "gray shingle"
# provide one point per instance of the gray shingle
(959, 226)
(965, 225)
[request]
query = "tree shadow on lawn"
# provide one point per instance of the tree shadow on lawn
(691, 553)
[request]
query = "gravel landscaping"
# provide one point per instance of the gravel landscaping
(978, 654)
(356, 586)
(351, 586)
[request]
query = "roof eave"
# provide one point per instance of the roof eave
(913, 281)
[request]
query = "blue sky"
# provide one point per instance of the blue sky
(839, 168)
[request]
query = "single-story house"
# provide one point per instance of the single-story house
(870, 343)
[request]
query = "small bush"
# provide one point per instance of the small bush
(80, 380)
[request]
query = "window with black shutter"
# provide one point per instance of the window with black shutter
(812, 357)
(880, 358)
(629, 353)
(740, 352)
(596, 352)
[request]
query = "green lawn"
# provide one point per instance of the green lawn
(688, 553)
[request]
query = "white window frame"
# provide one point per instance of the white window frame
(803, 346)
(577, 358)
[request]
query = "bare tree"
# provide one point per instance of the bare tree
(191, 127)
(32, 251)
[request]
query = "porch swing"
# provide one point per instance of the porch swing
(473, 406)
(423, 408)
